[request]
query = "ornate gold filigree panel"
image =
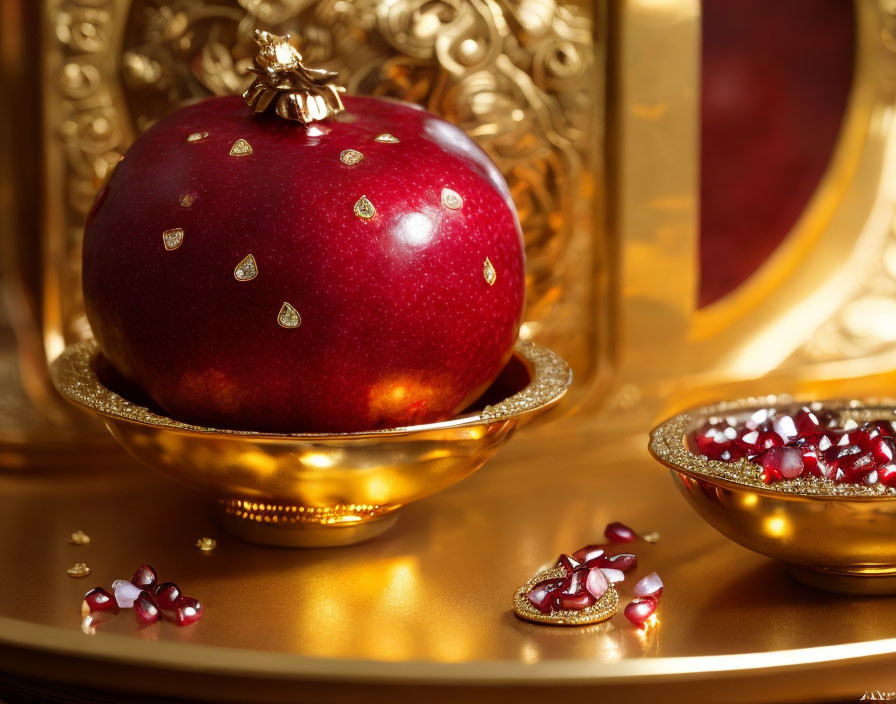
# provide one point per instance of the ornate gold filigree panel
(522, 77)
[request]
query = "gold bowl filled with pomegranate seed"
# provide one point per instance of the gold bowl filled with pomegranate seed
(810, 484)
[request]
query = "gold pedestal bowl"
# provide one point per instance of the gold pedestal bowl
(317, 490)
(835, 537)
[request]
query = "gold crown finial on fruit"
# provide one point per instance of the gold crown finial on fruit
(297, 93)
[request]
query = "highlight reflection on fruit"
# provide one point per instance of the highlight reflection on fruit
(361, 271)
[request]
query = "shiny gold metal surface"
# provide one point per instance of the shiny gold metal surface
(837, 537)
(427, 604)
(282, 81)
(314, 490)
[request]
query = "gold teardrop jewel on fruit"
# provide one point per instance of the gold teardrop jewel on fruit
(364, 208)
(452, 199)
(241, 148)
(246, 270)
(173, 238)
(288, 317)
(351, 157)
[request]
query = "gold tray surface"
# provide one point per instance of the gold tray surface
(430, 601)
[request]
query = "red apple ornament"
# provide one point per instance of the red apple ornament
(361, 271)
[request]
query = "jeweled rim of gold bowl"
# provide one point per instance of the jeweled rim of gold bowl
(75, 377)
(668, 445)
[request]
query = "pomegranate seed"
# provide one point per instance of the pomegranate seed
(145, 608)
(785, 427)
(806, 422)
(811, 460)
(125, 593)
(883, 448)
(712, 439)
(189, 611)
(887, 474)
(624, 562)
(542, 595)
(802, 442)
(145, 577)
(589, 552)
(573, 596)
(619, 533)
(757, 418)
(167, 595)
(639, 610)
(651, 585)
(98, 599)
(781, 463)
(855, 466)
(768, 439)
(567, 563)
(613, 576)
(748, 441)
(596, 582)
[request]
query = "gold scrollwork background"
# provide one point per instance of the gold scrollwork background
(522, 77)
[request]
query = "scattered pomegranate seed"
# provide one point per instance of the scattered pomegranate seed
(542, 595)
(573, 596)
(146, 609)
(639, 610)
(624, 562)
(567, 563)
(145, 577)
(651, 586)
(597, 583)
(589, 552)
(125, 593)
(98, 599)
(166, 595)
(149, 604)
(619, 533)
(613, 576)
(189, 611)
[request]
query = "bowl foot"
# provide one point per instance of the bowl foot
(867, 581)
(301, 534)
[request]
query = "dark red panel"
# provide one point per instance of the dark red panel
(776, 78)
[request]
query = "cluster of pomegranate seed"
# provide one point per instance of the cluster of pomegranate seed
(150, 600)
(803, 442)
(588, 574)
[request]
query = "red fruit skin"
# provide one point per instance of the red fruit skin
(398, 324)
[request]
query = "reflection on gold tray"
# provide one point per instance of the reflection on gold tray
(428, 602)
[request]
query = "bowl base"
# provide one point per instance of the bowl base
(306, 534)
(863, 581)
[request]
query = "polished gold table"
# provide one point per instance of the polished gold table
(426, 604)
